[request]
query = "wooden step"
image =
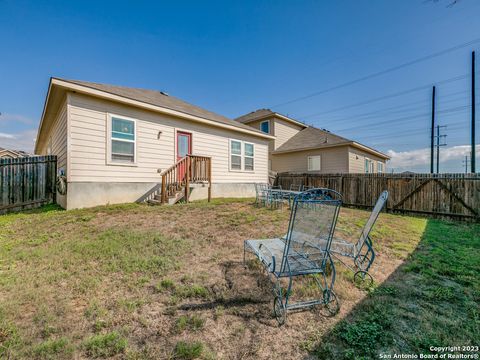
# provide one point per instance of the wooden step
(171, 199)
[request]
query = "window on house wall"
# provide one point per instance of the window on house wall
(368, 166)
(123, 140)
(242, 155)
(265, 126)
(248, 156)
(235, 155)
(314, 163)
(380, 167)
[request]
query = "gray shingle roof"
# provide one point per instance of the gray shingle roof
(312, 137)
(157, 98)
(257, 114)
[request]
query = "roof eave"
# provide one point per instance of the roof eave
(106, 95)
(312, 148)
(43, 115)
(347, 143)
(283, 117)
(370, 150)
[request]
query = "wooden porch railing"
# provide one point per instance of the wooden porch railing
(188, 170)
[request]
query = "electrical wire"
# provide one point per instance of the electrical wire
(380, 73)
(389, 96)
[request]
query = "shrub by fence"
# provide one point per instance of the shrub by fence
(27, 182)
(442, 195)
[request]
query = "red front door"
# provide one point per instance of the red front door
(184, 148)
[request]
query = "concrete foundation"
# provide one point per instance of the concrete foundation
(221, 190)
(89, 194)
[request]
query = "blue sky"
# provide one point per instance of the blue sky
(235, 57)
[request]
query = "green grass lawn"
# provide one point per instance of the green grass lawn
(142, 282)
(432, 299)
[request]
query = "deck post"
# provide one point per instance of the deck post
(164, 188)
(209, 164)
(187, 178)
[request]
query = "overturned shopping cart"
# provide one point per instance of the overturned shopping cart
(304, 251)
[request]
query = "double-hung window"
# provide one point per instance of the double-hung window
(248, 155)
(122, 139)
(242, 156)
(369, 167)
(314, 163)
(380, 167)
(235, 155)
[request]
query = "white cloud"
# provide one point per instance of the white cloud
(421, 157)
(7, 136)
(16, 118)
(24, 140)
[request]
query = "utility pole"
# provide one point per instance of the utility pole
(438, 145)
(472, 158)
(433, 131)
(465, 162)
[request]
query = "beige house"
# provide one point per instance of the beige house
(300, 148)
(12, 154)
(114, 144)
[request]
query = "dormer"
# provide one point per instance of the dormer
(273, 123)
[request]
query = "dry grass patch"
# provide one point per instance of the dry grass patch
(141, 282)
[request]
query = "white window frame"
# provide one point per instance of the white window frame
(320, 162)
(369, 165)
(109, 160)
(268, 122)
(380, 165)
(245, 156)
(242, 156)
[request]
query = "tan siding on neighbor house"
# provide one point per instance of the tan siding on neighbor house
(88, 145)
(333, 160)
(356, 160)
(284, 130)
(256, 124)
(281, 129)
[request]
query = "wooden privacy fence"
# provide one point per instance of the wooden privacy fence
(27, 182)
(443, 195)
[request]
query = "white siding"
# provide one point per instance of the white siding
(88, 145)
(56, 138)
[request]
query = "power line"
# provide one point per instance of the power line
(400, 93)
(382, 112)
(380, 73)
(406, 118)
(465, 163)
(410, 132)
(438, 137)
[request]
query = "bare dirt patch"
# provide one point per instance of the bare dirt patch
(152, 277)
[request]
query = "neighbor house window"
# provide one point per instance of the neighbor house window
(314, 163)
(242, 155)
(265, 126)
(122, 140)
(379, 167)
(368, 166)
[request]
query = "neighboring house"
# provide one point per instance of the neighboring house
(113, 143)
(300, 148)
(12, 154)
